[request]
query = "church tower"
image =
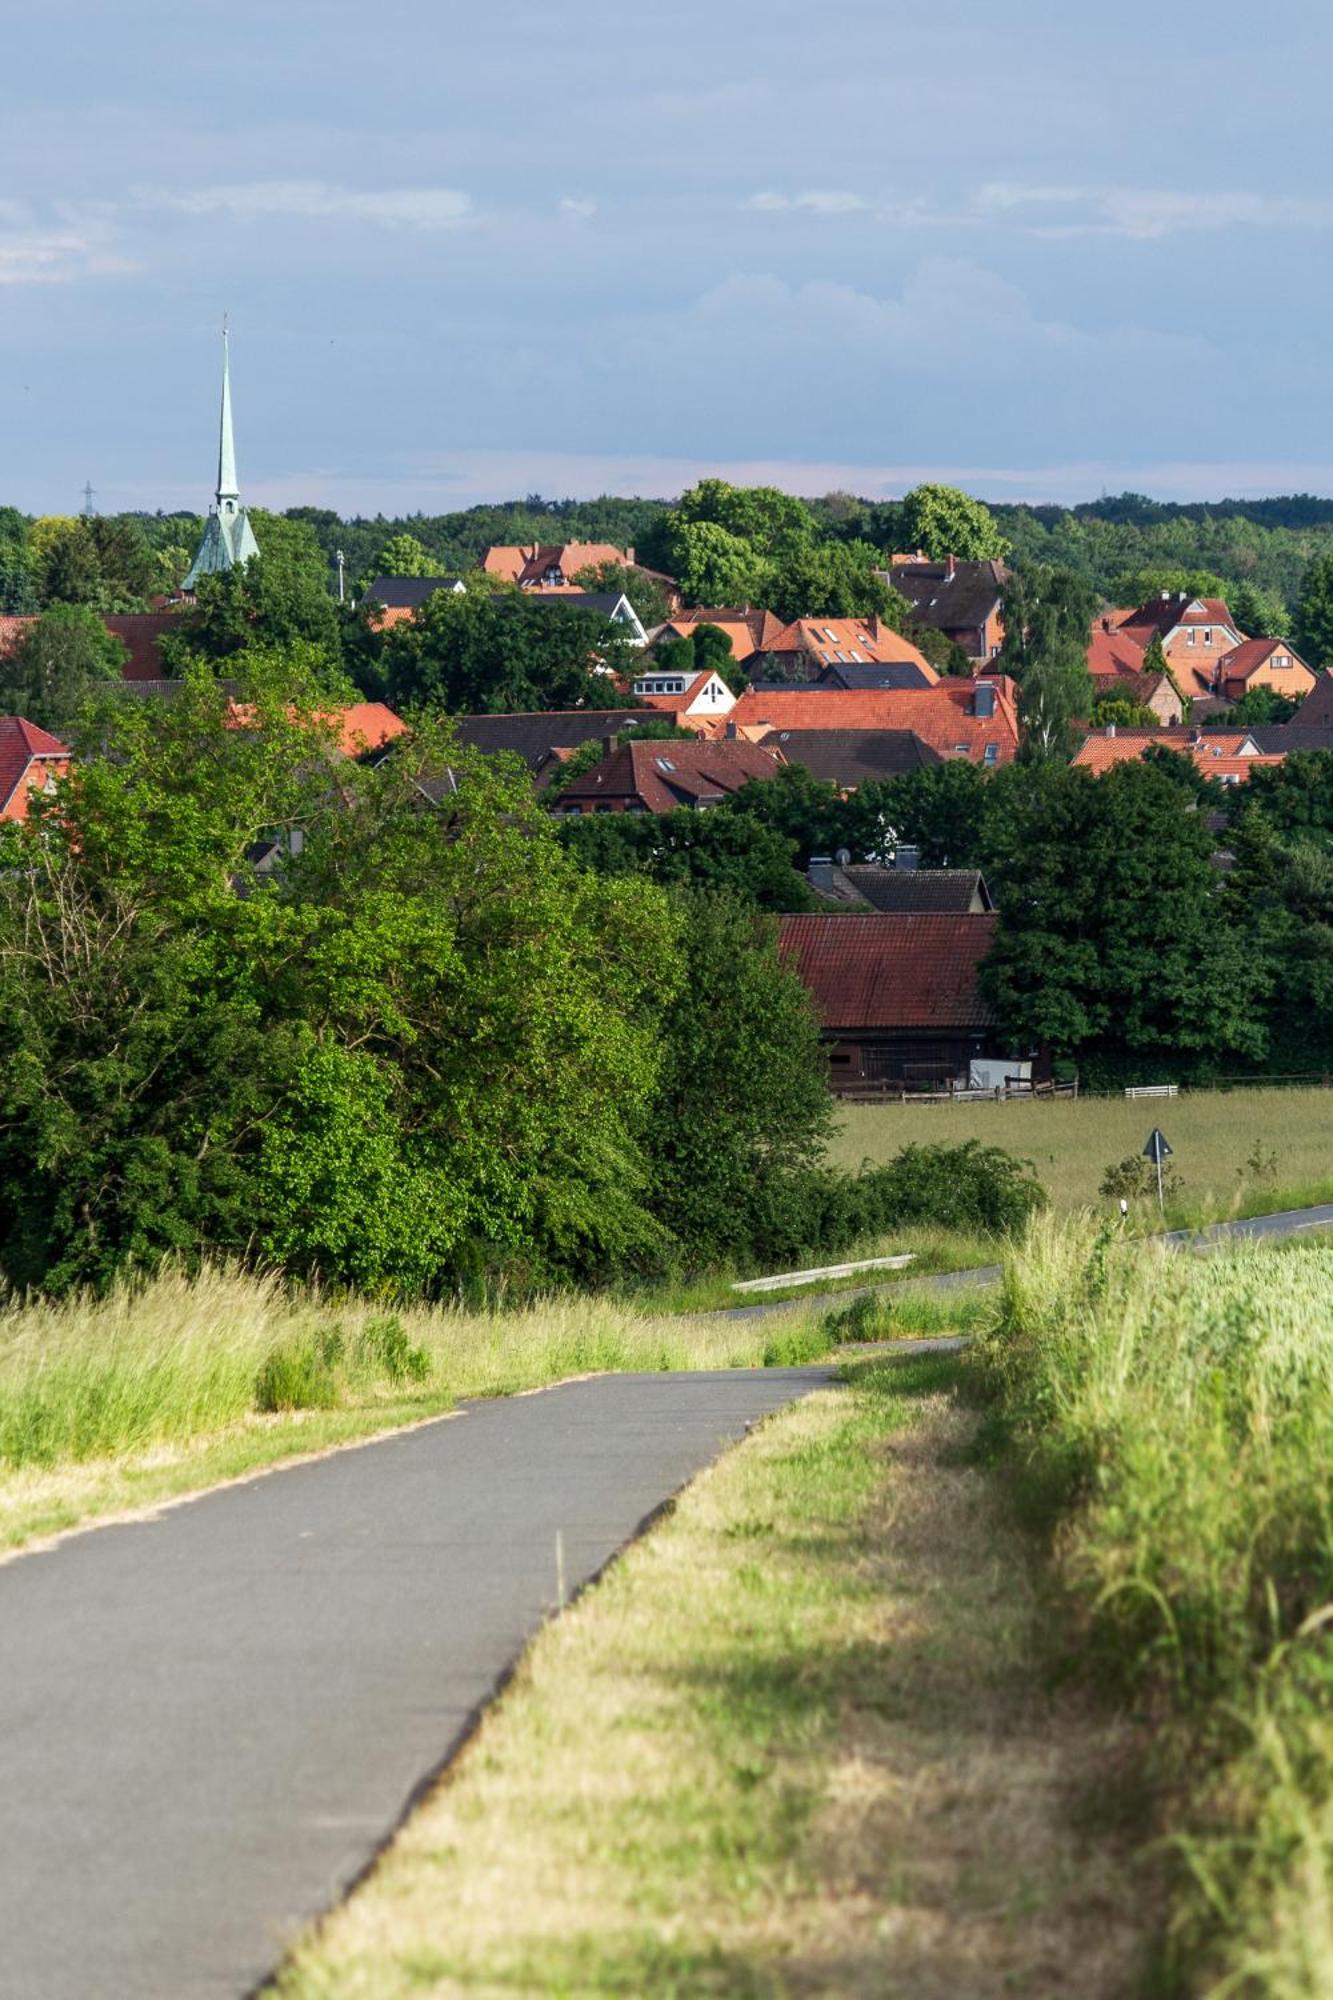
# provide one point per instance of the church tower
(228, 537)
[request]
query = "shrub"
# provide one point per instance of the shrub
(957, 1187)
(1135, 1179)
(300, 1373)
(384, 1348)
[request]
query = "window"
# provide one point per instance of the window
(1193, 635)
(860, 658)
(1207, 635)
(664, 764)
(992, 753)
(960, 749)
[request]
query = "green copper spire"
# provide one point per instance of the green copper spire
(228, 539)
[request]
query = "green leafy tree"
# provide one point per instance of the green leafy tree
(1258, 708)
(280, 595)
(1048, 624)
(942, 521)
(743, 1108)
(403, 555)
(834, 580)
(1114, 945)
(715, 566)
(729, 852)
(1123, 714)
(1295, 797)
(713, 655)
(501, 652)
(1259, 614)
(64, 658)
(1313, 625)
(425, 1047)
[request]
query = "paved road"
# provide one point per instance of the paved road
(209, 1721)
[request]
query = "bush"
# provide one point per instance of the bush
(299, 1374)
(956, 1187)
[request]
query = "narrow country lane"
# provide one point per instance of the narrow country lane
(212, 1719)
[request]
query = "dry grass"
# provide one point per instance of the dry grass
(793, 1744)
(1071, 1142)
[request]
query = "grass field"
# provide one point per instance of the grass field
(1236, 1152)
(793, 1744)
(1168, 1423)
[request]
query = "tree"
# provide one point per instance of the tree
(63, 659)
(731, 852)
(280, 595)
(713, 655)
(714, 566)
(743, 1106)
(500, 652)
(942, 521)
(1114, 944)
(403, 555)
(1259, 614)
(1258, 708)
(834, 580)
(1123, 714)
(1048, 620)
(1313, 625)
(1295, 797)
(424, 1047)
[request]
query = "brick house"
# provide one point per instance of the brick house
(1196, 633)
(1116, 662)
(960, 599)
(31, 760)
(1227, 756)
(1266, 663)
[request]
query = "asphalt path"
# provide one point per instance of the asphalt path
(210, 1720)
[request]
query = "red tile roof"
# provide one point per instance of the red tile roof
(366, 725)
(1114, 652)
(28, 756)
(887, 972)
(1216, 752)
(527, 566)
(662, 776)
(941, 715)
(1246, 659)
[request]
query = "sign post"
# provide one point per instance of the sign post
(1157, 1150)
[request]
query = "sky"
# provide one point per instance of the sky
(468, 253)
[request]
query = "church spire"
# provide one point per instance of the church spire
(227, 487)
(228, 539)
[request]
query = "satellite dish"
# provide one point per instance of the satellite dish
(843, 856)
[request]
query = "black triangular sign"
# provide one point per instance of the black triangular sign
(1157, 1149)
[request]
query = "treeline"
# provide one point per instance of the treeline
(1115, 544)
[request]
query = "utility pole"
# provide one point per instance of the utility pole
(340, 559)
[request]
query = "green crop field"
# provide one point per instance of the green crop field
(1234, 1151)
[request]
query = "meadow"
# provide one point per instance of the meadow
(1235, 1152)
(1167, 1427)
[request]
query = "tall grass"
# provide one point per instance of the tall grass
(1171, 1423)
(182, 1356)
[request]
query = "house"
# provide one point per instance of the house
(829, 642)
(850, 758)
(554, 566)
(1264, 663)
(1317, 708)
(659, 777)
(888, 674)
(1196, 632)
(1116, 662)
(803, 649)
(955, 718)
(612, 605)
(898, 994)
(902, 890)
(1225, 755)
(960, 599)
(140, 632)
(31, 760)
(752, 633)
(684, 696)
(402, 596)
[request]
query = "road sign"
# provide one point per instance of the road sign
(1157, 1150)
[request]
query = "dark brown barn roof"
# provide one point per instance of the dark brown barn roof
(851, 757)
(953, 599)
(889, 972)
(533, 737)
(921, 891)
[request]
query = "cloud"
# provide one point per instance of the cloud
(580, 210)
(39, 253)
(1147, 214)
(820, 201)
(424, 208)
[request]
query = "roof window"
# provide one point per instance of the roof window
(665, 764)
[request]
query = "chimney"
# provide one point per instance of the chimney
(1106, 624)
(608, 746)
(629, 558)
(907, 857)
(951, 564)
(820, 874)
(1166, 597)
(1110, 729)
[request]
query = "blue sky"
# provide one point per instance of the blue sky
(474, 252)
